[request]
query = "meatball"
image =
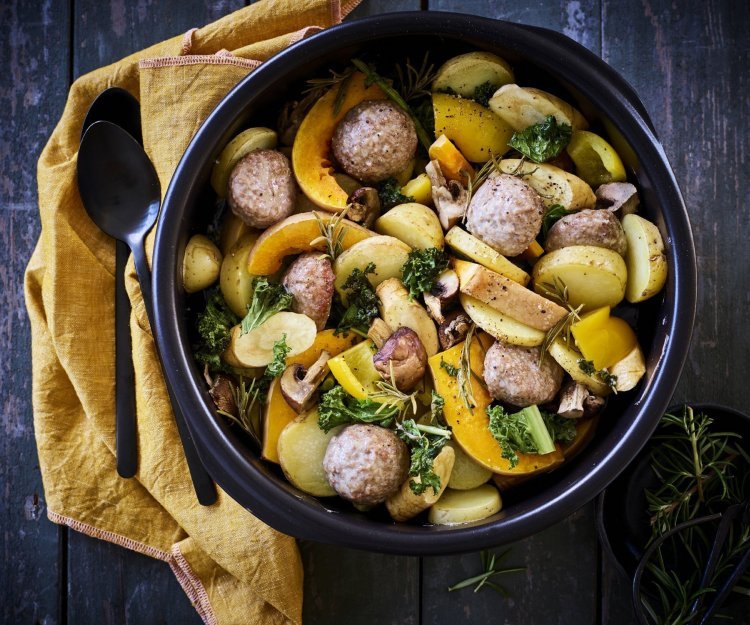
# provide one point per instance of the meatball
(374, 141)
(365, 464)
(515, 376)
(404, 356)
(588, 227)
(310, 281)
(261, 188)
(505, 213)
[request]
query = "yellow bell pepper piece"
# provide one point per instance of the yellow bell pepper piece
(596, 160)
(355, 371)
(603, 339)
(453, 164)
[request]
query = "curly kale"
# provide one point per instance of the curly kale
(362, 301)
(214, 326)
(483, 93)
(337, 407)
(560, 428)
(425, 443)
(421, 270)
(543, 141)
(389, 192)
(524, 431)
(552, 215)
(280, 351)
(268, 299)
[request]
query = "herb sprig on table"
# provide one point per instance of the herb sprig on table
(490, 569)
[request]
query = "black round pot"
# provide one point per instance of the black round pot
(664, 324)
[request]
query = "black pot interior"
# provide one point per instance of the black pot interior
(629, 418)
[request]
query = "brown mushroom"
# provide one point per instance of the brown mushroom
(379, 332)
(364, 206)
(593, 405)
(450, 196)
(402, 359)
(222, 392)
(572, 397)
(618, 196)
(442, 295)
(298, 384)
(453, 329)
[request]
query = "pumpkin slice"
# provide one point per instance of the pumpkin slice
(295, 235)
(311, 159)
(471, 427)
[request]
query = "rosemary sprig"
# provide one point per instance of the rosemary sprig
(331, 233)
(490, 562)
(465, 373)
(248, 400)
(557, 290)
(414, 82)
(316, 87)
(395, 96)
(391, 396)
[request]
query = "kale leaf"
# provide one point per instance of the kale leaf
(543, 141)
(437, 404)
(524, 431)
(363, 303)
(214, 326)
(483, 93)
(389, 192)
(449, 368)
(421, 270)
(280, 351)
(337, 407)
(425, 443)
(268, 299)
(560, 428)
(553, 214)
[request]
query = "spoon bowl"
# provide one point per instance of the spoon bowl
(118, 106)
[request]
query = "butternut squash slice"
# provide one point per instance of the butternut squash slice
(311, 158)
(470, 427)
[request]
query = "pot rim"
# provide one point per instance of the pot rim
(238, 472)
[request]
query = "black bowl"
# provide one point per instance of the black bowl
(541, 58)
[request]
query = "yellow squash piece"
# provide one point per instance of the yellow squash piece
(311, 158)
(355, 371)
(453, 164)
(419, 188)
(596, 160)
(471, 427)
(603, 339)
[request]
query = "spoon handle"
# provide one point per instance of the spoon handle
(126, 439)
(202, 482)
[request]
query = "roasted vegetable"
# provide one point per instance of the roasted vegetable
(337, 407)
(363, 303)
(421, 269)
(214, 326)
(425, 443)
(523, 431)
(542, 142)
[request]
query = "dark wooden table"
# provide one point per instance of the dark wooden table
(688, 61)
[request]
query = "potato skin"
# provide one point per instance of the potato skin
(599, 228)
(201, 264)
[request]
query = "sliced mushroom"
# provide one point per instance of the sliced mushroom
(450, 197)
(298, 384)
(222, 392)
(593, 405)
(364, 206)
(618, 196)
(453, 329)
(572, 398)
(402, 359)
(379, 332)
(442, 295)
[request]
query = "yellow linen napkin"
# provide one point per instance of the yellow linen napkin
(233, 568)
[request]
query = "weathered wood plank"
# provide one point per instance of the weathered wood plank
(34, 57)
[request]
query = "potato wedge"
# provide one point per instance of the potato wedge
(388, 254)
(468, 245)
(232, 230)
(464, 73)
(569, 360)
(244, 143)
(474, 129)
(629, 370)
(645, 259)
(465, 506)
(255, 348)
(301, 448)
(522, 107)
(415, 224)
(419, 189)
(234, 280)
(404, 504)
(398, 311)
(466, 473)
(594, 276)
(500, 326)
(200, 264)
(555, 185)
(508, 297)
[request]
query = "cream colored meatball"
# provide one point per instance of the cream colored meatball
(365, 464)
(600, 228)
(310, 280)
(261, 188)
(514, 375)
(505, 213)
(374, 141)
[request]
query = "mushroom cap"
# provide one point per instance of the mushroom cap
(404, 355)
(365, 464)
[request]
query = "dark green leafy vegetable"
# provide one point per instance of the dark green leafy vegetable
(390, 194)
(421, 270)
(214, 325)
(425, 442)
(605, 376)
(268, 299)
(587, 366)
(449, 368)
(560, 428)
(553, 214)
(280, 351)
(363, 303)
(542, 142)
(437, 403)
(483, 93)
(523, 431)
(337, 407)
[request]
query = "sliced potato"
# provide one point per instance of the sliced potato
(464, 73)
(569, 360)
(419, 188)
(554, 185)
(596, 160)
(404, 504)
(645, 258)
(508, 297)
(255, 348)
(387, 253)
(244, 143)
(466, 473)
(201, 264)
(235, 281)
(465, 506)
(416, 225)
(522, 107)
(474, 129)
(500, 326)
(232, 230)
(398, 311)
(471, 247)
(629, 370)
(301, 448)
(594, 276)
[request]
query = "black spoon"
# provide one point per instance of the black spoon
(118, 182)
(116, 105)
